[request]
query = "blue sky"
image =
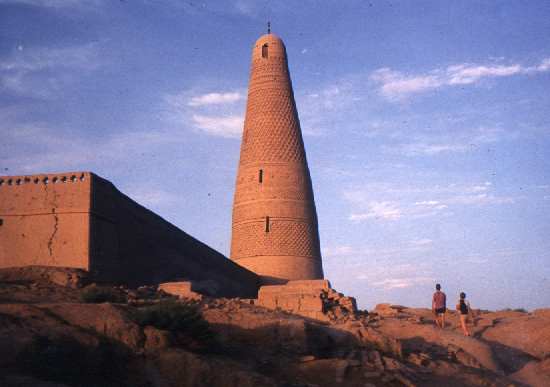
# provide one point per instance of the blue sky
(427, 126)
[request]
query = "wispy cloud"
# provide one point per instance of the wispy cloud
(215, 99)
(216, 113)
(436, 143)
(321, 108)
(378, 210)
(401, 283)
(153, 197)
(391, 203)
(247, 7)
(395, 85)
(358, 253)
(429, 149)
(224, 126)
(42, 71)
(48, 148)
(465, 74)
(388, 276)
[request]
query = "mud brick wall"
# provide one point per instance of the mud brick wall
(44, 220)
(152, 250)
(304, 298)
(81, 220)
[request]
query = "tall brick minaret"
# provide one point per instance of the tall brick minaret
(275, 231)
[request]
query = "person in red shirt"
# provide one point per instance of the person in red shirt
(439, 306)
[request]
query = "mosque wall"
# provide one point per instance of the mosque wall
(82, 220)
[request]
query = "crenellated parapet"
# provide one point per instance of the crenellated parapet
(51, 178)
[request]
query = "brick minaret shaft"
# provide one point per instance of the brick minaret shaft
(275, 231)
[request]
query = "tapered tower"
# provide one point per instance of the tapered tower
(275, 231)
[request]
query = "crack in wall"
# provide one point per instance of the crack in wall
(55, 225)
(55, 228)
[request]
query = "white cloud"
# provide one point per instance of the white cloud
(224, 126)
(442, 142)
(395, 85)
(319, 108)
(401, 283)
(427, 203)
(217, 113)
(418, 148)
(246, 7)
(389, 202)
(215, 99)
(150, 197)
(480, 199)
(464, 74)
(42, 71)
(481, 187)
(544, 65)
(48, 148)
(421, 242)
(387, 275)
(35, 59)
(379, 210)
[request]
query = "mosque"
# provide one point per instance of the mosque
(80, 220)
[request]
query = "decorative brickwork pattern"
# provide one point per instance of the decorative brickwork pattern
(275, 230)
(285, 237)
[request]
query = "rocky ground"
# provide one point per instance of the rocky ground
(53, 333)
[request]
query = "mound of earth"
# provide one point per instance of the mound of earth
(50, 337)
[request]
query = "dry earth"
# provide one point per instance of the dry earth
(49, 337)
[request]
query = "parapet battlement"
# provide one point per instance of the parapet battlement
(52, 178)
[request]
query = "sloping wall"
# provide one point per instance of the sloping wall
(81, 220)
(151, 250)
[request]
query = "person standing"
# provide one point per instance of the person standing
(463, 307)
(439, 306)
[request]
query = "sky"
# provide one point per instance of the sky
(426, 125)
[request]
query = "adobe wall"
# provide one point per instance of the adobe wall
(44, 220)
(81, 220)
(132, 243)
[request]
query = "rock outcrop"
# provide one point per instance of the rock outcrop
(48, 337)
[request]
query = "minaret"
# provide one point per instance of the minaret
(275, 231)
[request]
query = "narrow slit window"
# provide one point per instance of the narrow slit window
(264, 51)
(261, 176)
(267, 224)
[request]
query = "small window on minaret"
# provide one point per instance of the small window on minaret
(261, 176)
(267, 224)
(264, 51)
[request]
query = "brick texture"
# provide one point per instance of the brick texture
(275, 231)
